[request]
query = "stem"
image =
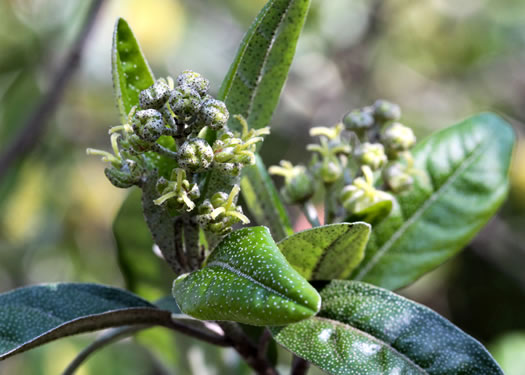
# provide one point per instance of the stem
(329, 204)
(34, 127)
(191, 242)
(108, 338)
(311, 214)
(299, 366)
(247, 349)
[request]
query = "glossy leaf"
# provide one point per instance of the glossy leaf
(263, 201)
(327, 252)
(247, 279)
(131, 72)
(362, 329)
(254, 82)
(466, 180)
(144, 272)
(35, 315)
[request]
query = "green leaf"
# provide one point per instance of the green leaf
(362, 329)
(145, 273)
(35, 315)
(327, 252)
(247, 279)
(263, 201)
(254, 82)
(466, 180)
(131, 72)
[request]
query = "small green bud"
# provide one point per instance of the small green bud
(362, 194)
(185, 102)
(371, 154)
(195, 155)
(396, 178)
(155, 96)
(149, 125)
(330, 171)
(214, 114)
(218, 199)
(126, 176)
(358, 120)
(386, 111)
(397, 138)
(195, 81)
(298, 183)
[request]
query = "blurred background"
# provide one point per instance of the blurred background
(441, 60)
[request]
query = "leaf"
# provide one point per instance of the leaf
(131, 72)
(35, 315)
(362, 329)
(145, 273)
(247, 280)
(263, 201)
(466, 169)
(327, 252)
(254, 82)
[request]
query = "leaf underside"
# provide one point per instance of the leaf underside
(466, 180)
(327, 252)
(362, 329)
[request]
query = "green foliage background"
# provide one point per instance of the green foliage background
(440, 60)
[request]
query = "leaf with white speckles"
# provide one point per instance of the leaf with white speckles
(466, 169)
(328, 252)
(363, 329)
(35, 315)
(254, 82)
(246, 279)
(130, 70)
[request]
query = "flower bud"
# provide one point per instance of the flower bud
(298, 183)
(358, 120)
(397, 138)
(126, 176)
(356, 199)
(396, 178)
(148, 124)
(195, 155)
(155, 96)
(371, 154)
(214, 114)
(386, 111)
(185, 102)
(330, 171)
(195, 81)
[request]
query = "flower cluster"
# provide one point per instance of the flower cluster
(170, 125)
(368, 147)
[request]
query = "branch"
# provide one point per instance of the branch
(299, 366)
(247, 349)
(34, 127)
(108, 338)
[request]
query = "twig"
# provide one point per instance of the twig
(299, 366)
(34, 127)
(264, 341)
(247, 349)
(108, 338)
(329, 204)
(311, 214)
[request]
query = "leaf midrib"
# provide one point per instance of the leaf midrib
(376, 340)
(227, 267)
(477, 151)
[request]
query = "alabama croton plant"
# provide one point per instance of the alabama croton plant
(239, 276)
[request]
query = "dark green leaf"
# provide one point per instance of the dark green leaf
(263, 201)
(362, 329)
(35, 315)
(327, 252)
(466, 180)
(131, 72)
(254, 82)
(247, 279)
(145, 273)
